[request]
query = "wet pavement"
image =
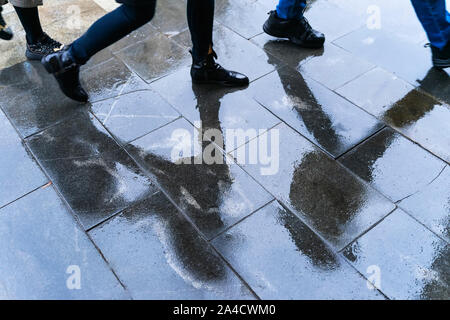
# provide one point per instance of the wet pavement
(338, 186)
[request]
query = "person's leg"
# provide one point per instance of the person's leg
(291, 9)
(5, 32)
(200, 14)
(29, 18)
(435, 20)
(287, 21)
(65, 65)
(109, 29)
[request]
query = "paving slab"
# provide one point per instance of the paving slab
(431, 206)
(409, 261)
(94, 175)
(325, 195)
(170, 17)
(132, 115)
(281, 258)
(317, 113)
(213, 193)
(412, 112)
(47, 262)
(393, 165)
(19, 173)
(159, 255)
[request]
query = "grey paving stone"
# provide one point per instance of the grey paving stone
(393, 165)
(437, 83)
(159, 255)
(94, 175)
(411, 261)
(209, 107)
(132, 115)
(281, 258)
(341, 65)
(30, 99)
(43, 249)
(397, 56)
(431, 206)
(154, 57)
(170, 17)
(319, 114)
(214, 193)
(110, 79)
(324, 194)
(19, 173)
(234, 52)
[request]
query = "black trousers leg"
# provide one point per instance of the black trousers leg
(200, 15)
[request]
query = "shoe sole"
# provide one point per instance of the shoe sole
(299, 43)
(33, 56)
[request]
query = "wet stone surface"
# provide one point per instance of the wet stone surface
(319, 190)
(214, 195)
(159, 255)
(39, 265)
(283, 259)
(412, 262)
(96, 177)
(317, 113)
(393, 165)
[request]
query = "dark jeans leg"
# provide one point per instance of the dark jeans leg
(111, 28)
(435, 20)
(29, 18)
(291, 9)
(200, 15)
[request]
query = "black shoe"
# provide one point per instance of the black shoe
(44, 46)
(67, 73)
(5, 31)
(299, 31)
(441, 57)
(208, 71)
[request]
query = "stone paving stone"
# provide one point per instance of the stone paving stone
(409, 61)
(210, 107)
(159, 255)
(393, 165)
(413, 262)
(136, 36)
(30, 98)
(235, 53)
(316, 112)
(154, 57)
(170, 17)
(324, 194)
(43, 247)
(394, 101)
(132, 115)
(95, 176)
(245, 17)
(280, 258)
(216, 195)
(110, 79)
(19, 173)
(284, 51)
(342, 65)
(431, 206)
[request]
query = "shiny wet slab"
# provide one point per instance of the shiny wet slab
(159, 255)
(46, 263)
(408, 261)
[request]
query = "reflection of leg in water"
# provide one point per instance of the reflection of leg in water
(287, 21)
(110, 28)
(200, 14)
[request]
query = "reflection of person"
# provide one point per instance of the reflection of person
(287, 21)
(39, 43)
(435, 20)
(5, 31)
(131, 15)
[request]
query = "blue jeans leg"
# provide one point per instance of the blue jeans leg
(435, 20)
(291, 9)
